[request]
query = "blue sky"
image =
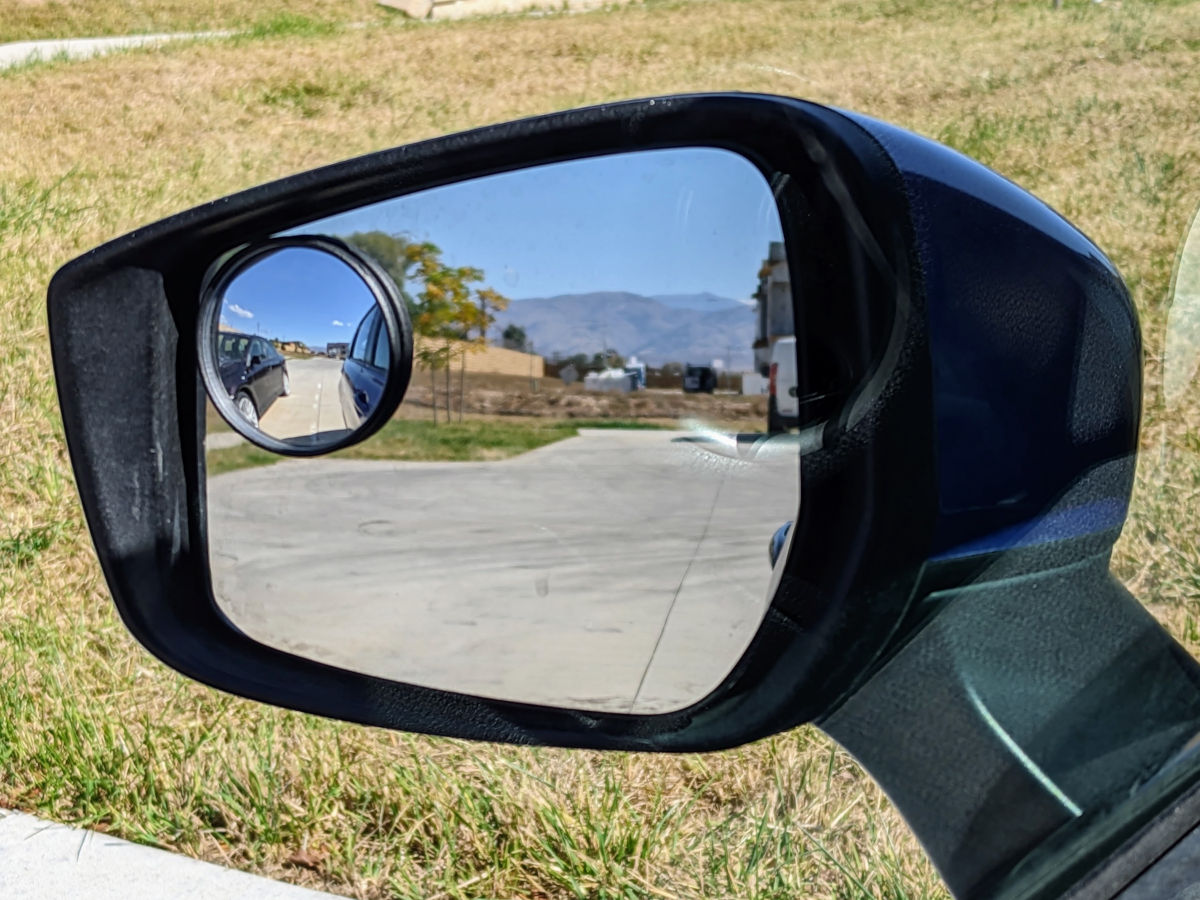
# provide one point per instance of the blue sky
(675, 221)
(297, 294)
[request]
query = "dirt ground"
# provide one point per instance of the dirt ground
(497, 395)
(501, 395)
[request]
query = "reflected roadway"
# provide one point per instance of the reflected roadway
(617, 570)
(312, 406)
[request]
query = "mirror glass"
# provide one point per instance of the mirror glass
(577, 502)
(300, 347)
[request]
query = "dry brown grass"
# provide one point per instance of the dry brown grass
(28, 20)
(1093, 108)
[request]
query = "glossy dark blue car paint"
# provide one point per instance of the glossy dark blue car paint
(364, 377)
(1035, 344)
(262, 375)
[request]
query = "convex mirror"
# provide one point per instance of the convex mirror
(301, 340)
(570, 505)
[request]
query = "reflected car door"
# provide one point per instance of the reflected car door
(274, 361)
(364, 372)
(259, 375)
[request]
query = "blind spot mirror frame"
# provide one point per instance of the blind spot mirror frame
(244, 419)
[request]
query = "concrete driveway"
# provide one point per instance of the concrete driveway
(41, 860)
(312, 406)
(618, 570)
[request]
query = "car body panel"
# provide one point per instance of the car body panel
(250, 364)
(784, 389)
(364, 374)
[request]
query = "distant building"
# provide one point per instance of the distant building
(774, 316)
(337, 350)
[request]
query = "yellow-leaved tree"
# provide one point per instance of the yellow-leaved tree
(450, 313)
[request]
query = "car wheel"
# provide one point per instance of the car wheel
(245, 405)
(287, 384)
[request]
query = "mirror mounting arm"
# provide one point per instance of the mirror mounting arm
(1032, 727)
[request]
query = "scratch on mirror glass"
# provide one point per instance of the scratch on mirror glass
(675, 598)
(683, 209)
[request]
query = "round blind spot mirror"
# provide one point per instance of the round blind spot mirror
(304, 346)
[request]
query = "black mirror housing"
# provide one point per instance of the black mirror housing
(961, 323)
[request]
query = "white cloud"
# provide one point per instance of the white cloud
(338, 323)
(238, 311)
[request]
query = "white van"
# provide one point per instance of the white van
(783, 401)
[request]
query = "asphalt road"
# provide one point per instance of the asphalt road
(619, 570)
(313, 406)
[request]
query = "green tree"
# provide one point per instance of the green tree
(514, 337)
(399, 256)
(607, 358)
(453, 315)
(444, 304)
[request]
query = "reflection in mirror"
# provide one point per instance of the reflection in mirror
(300, 346)
(571, 505)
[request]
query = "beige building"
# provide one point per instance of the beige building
(773, 306)
(486, 359)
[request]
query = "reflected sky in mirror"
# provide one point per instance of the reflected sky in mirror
(688, 221)
(297, 296)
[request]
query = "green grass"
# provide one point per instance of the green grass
(1093, 108)
(419, 440)
(23, 548)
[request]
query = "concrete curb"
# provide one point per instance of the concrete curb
(22, 52)
(41, 860)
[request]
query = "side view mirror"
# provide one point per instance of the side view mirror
(577, 370)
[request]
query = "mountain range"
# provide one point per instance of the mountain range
(696, 328)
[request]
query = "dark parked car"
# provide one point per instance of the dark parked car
(365, 369)
(699, 379)
(253, 372)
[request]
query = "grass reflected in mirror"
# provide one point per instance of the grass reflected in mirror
(416, 440)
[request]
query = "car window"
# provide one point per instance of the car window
(381, 353)
(362, 337)
(233, 347)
